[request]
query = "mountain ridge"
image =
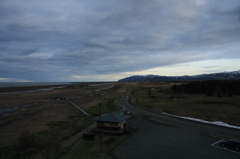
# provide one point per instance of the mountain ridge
(234, 75)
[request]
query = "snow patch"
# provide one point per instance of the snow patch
(88, 92)
(104, 93)
(204, 121)
(235, 72)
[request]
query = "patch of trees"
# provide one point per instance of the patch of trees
(209, 88)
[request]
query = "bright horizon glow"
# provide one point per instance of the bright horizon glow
(190, 69)
(193, 68)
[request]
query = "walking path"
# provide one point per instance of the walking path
(77, 107)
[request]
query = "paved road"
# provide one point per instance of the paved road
(177, 139)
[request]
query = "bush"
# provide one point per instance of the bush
(26, 140)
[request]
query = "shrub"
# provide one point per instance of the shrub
(26, 140)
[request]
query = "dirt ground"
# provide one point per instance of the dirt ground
(46, 106)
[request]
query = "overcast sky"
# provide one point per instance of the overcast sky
(105, 40)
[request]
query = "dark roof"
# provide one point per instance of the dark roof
(112, 117)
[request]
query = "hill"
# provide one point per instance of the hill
(235, 75)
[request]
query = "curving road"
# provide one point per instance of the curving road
(171, 137)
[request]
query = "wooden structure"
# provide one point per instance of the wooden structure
(111, 123)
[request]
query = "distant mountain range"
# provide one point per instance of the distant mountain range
(235, 75)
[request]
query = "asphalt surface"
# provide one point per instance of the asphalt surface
(171, 138)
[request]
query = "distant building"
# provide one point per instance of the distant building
(111, 123)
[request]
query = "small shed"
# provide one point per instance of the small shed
(111, 123)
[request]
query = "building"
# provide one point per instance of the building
(111, 123)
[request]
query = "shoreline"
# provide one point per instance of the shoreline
(21, 89)
(29, 84)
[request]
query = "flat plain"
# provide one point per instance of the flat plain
(158, 97)
(51, 119)
(48, 107)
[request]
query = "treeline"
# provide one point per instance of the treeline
(210, 88)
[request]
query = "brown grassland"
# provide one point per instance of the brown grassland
(158, 97)
(51, 119)
(49, 108)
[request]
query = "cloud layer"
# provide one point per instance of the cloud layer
(61, 40)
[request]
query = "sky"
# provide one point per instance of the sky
(107, 40)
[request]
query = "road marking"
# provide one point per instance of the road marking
(217, 142)
(225, 148)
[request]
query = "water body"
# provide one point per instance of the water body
(24, 84)
(99, 84)
(4, 112)
(44, 89)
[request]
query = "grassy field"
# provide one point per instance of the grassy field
(107, 106)
(91, 149)
(159, 97)
(43, 126)
(45, 141)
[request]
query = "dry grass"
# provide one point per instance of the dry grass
(91, 149)
(36, 117)
(159, 97)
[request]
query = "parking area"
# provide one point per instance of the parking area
(158, 140)
(219, 144)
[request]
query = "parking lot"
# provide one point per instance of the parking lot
(218, 145)
(168, 137)
(156, 140)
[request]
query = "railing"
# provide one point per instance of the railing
(77, 107)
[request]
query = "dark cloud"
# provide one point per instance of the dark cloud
(29, 51)
(56, 40)
(235, 13)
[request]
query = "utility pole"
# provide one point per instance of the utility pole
(100, 127)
